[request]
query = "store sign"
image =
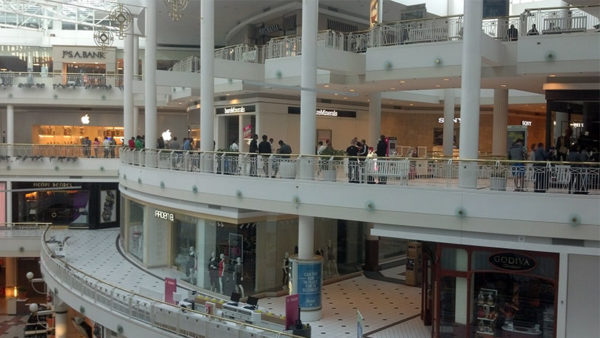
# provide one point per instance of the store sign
(164, 215)
(233, 110)
(52, 185)
(512, 262)
(82, 55)
(526, 123)
(324, 112)
(456, 120)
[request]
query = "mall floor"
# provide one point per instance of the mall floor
(389, 309)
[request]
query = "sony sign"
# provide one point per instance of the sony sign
(164, 215)
(512, 261)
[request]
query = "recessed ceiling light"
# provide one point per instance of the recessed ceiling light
(336, 94)
(412, 104)
(392, 88)
(326, 86)
(437, 86)
(552, 75)
(402, 81)
(446, 79)
(502, 85)
(345, 98)
(351, 89)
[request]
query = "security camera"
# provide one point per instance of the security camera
(29, 275)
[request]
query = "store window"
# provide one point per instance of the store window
(135, 225)
(185, 256)
(454, 259)
(453, 309)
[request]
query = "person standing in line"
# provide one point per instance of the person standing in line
(160, 143)
(382, 148)
(106, 144)
(517, 153)
(352, 152)
(131, 143)
(541, 156)
(264, 149)
(533, 30)
(512, 33)
(96, 146)
(253, 150)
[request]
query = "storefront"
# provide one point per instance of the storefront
(209, 251)
(93, 205)
(236, 123)
(74, 134)
(489, 292)
(85, 66)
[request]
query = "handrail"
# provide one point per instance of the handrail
(72, 270)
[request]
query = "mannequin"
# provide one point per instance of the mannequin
(331, 262)
(213, 271)
(190, 269)
(221, 270)
(238, 276)
(285, 267)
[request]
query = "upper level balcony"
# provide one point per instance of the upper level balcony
(414, 192)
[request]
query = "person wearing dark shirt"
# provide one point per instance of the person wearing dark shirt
(253, 150)
(353, 170)
(264, 149)
(512, 33)
(533, 30)
(540, 168)
(382, 147)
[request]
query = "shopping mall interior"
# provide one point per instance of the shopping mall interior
(369, 168)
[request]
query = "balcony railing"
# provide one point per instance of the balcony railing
(556, 177)
(23, 229)
(36, 152)
(40, 80)
(169, 317)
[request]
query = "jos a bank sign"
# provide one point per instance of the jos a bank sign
(512, 261)
(69, 54)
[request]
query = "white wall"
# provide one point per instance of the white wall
(583, 296)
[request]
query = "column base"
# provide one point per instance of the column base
(310, 315)
(306, 281)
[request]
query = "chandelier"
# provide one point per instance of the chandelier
(103, 37)
(122, 17)
(176, 7)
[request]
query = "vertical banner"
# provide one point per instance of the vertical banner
(170, 288)
(374, 12)
(292, 311)
(359, 324)
(308, 284)
(247, 131)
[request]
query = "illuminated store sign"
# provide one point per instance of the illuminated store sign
(526, 123)
(512, 262)
(324, 112)
(164, 215)
(456, 120)
(52, 185)
(233, 110)
(82, 55)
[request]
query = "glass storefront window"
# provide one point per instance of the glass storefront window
(511, 304)
(453, 308)
(454, 259)
(184, 248)
(135, 224)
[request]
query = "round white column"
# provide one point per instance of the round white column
(308, 94)
(136, 116)
(128, 85)
(60, 318)
(10, 129)
(448, 140)
(470, 89)
(150, 116)
(207, 46)
(374, 118)
(307, 272)
(500, 121)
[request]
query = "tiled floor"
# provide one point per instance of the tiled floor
(388, 309)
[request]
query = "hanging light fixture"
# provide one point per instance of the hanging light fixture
(103, 37)
(176, 7)
(122, 16)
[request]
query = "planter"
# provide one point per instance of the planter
(498, 183)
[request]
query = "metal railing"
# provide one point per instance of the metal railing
(559, 177)
(22, 229)
(36, 152)
(291, 45)
(41, 80)
(169, 317)
(557, 20)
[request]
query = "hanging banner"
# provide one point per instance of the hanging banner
(374, 16)
(292, 311)
(170, 288)
(248, 131)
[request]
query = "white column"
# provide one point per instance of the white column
(10, 124)
(128, 85)
(380, 11)
(136, 116)
(306, 237)
(60, 318)
(470, 89)
(206, 243)
(136, 51)
(374, 118)
(448, 141)
(9, 202)
(207, 46)
(308, 94)
(150, 116)
(500, 121)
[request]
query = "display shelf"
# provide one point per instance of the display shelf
(486, 313)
